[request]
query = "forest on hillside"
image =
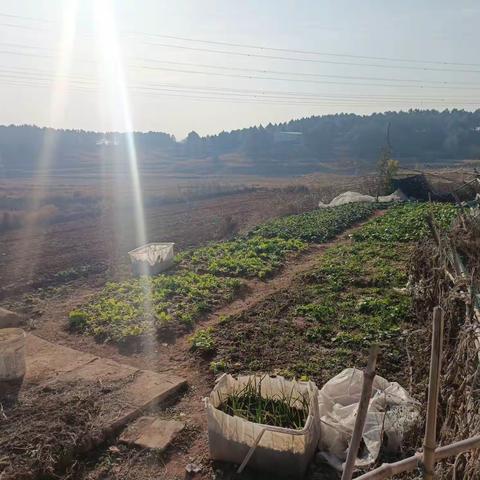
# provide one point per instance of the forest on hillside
(416, 136)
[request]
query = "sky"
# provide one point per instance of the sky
(213, 65)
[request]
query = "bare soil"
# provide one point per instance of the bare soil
(38, 256)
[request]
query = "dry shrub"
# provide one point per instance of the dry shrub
(228, 227)
(10, 220)
(50, 425)
(437, 283)
(39, 435)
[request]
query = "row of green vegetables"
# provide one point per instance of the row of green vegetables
(262, 251)
(323, 322)
(205, 277)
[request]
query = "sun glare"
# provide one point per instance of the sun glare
(56, 115)
(114, 83)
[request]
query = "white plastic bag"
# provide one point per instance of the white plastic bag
(391, 411)
(283, 452)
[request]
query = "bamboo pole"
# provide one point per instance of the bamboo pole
(429, 443)
(408, 464)
(368, 376)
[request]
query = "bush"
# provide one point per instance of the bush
(202, 340)
(77, 320)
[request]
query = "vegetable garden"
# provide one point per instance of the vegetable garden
(351, 298)
(326, 320)
(203, 278)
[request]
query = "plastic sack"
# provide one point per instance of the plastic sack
(283, 452)
(396, 196)
(151, 258)
(391, 411)
(347, 197)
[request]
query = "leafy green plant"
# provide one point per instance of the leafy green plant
(218, 366)
(319, 333)
(407, 222)
(77, 320)
(252, 257)
(317, 226)
(145, 305)
(202, 340)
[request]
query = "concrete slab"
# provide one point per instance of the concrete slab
(153, 433)
(137, 391)
(102, 370)
(150, 388)
(46, 361)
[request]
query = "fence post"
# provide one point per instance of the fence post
(368, 376)
(429, 443)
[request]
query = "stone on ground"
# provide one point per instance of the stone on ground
(151, 432)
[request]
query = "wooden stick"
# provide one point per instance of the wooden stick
(368, 376)
(429, 443)
(411, 463)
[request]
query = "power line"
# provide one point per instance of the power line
(307, 74)
(85, 80)
(309, 52)
(21, 17)
(266, 71)
(226, 100)
(23, 27)
(310, 60)
(255, 77)
(34, 73)
(231, 97)
(268, 48)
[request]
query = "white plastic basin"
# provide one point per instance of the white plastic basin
(151, 258)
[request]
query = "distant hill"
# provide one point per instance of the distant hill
(341, 142)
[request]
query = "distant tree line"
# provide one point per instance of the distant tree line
(416, 135)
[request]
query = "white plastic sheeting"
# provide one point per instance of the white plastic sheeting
(355, 197)
(284, 452)
(152, 258)
(392, 411)
(396, 196)
(348, 197)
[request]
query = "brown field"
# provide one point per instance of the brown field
(89, 224)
